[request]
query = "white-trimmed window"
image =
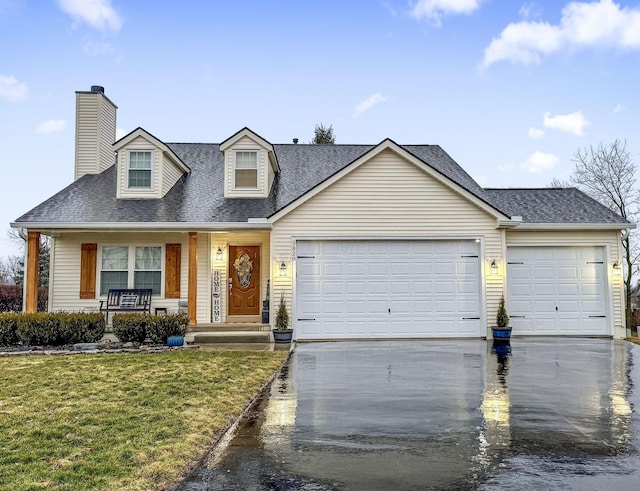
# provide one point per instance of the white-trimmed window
(131, 267)
(139, 171)
(148, 268)
(245, 169)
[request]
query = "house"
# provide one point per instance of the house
(361, 241)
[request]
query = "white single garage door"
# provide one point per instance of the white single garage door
(557, 290)
(387, 289)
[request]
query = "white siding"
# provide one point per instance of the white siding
(170, 174)
(107, 134)
(607, 238)
(389, 197)
(139, 143)
(241, 238)
(65, 281)
(246, 143)
(95, 133)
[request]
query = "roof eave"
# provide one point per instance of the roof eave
(576, 226)
(252, 223)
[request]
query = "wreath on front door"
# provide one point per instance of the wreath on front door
(244, 267)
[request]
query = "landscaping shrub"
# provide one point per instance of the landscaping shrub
(160, 327)
(84, 328)
(10, 298)
(130, 328)
(8, 327)
(59, 328)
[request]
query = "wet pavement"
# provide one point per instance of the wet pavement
(554, 414)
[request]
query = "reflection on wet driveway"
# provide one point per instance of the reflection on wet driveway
(557, 413)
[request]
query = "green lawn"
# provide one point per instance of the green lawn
(119, 421)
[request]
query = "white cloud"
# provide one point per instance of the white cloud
(368, 103)
(618, 108)
(51, 126)
(529, 10)
(539, 162)
(569, 123)
(12, 89)
(435, 9)
(536, 133)
(583, 25)
(98, 14)
(120, 132)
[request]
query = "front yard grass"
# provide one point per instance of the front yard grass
(119, 421)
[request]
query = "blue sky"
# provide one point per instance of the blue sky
(510, 89)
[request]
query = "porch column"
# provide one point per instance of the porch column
(192, 293)
(31, 273)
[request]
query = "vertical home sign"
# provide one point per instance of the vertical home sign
(215, 292)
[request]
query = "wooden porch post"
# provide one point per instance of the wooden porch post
(32, 272)
(192, 293)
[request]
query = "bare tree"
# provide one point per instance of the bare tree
(323, 135)
(607, 174)
(15, 264)
(559, 183)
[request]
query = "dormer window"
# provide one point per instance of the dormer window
(139, 169)
(246, 169)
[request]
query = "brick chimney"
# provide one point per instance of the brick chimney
(95, 132)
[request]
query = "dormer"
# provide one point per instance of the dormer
(147, 168)
(250, 165)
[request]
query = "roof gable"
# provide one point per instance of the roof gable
(389, 144)
(142, 133)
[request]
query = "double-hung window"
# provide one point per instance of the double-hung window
(140, 169)
(246, 169)
(114, 271)
(148, 268)
(131, 267)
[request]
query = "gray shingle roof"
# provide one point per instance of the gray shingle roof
(553, 205)
(198, 196)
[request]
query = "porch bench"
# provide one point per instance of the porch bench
(126, 300)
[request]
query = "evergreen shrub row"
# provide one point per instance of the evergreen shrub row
(138, 327)
(50, 328)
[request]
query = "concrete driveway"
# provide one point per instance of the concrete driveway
(556, 414)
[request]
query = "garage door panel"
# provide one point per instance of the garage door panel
(570, 289)
(543, 273)
(557, 289)
(333, 288)
(428, 286)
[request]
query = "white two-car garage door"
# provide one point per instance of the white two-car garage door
(557, 290)
(387, 289)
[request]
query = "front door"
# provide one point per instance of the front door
(244, 280)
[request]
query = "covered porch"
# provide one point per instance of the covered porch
(222, 276)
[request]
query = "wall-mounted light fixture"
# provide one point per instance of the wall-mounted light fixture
(283, 268)
(616, 268)
(219, 253)
(494, 266)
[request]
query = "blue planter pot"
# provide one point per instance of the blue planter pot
(175, 340)
(282, 336)
(501, 333)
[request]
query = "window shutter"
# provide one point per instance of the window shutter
(88, 257)
(172, 271)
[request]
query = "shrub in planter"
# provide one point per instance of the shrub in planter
(130, 327)
(8, 327)
(161, 327)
